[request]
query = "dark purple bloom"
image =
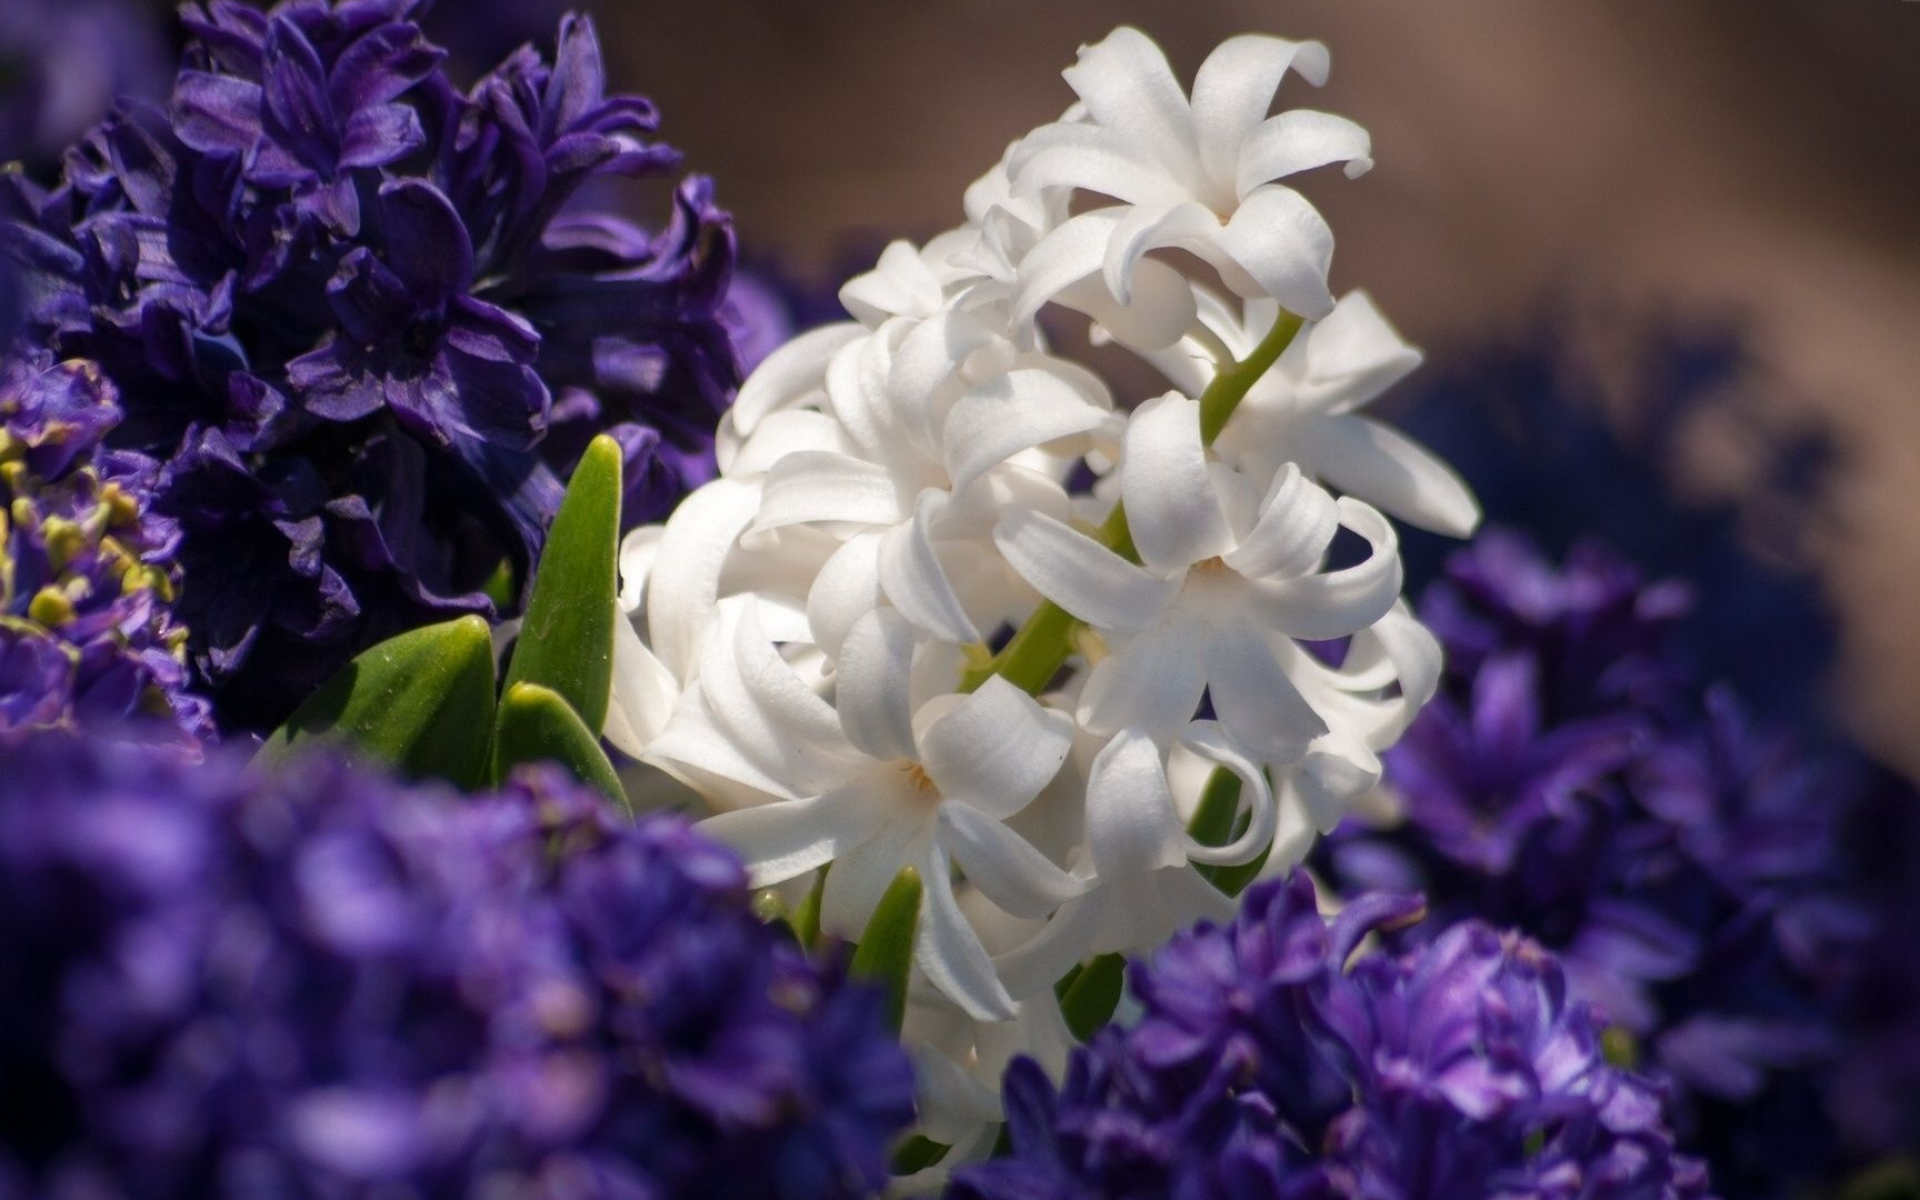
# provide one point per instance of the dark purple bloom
(1264, 1067)
(322, 983)
(87, 630)
(1573, 781)
(368, 321)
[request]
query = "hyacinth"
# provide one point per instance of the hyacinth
(1689, 868)
(320, 983)
(365, 324)
(1263, 1065)
(88, 634)
(948, 607)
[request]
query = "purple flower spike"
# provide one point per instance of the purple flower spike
(1265, 1066)
(88, 635)
(368, 321)
(1574, 780)
(321, 983)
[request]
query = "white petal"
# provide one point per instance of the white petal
(873, 683)
(846, 589)
(1079, 574)
(861, 875)
(1062, 258)
(811, 485)
(781, 434)
(949, 952)
(899, 285)
(1253, 696)
(1092, 159)
(697, 540)
(1337, 770)
(1294, 529)
(1004, 865)
(790, 374)
(1158, 314)
(994, 749)
(913, 578)
(1234, 89)
(1141, 918)
(1150, 227)
(1172, 509)
(791, 837)
(927, 358)
(1283, 243)
(1133, 827)
(1008, 413)
(1153, 682)
(949, 1104)
(643, 695)
(1342, 602)
(1208, 740)
(1385, 468)
(1301, 140)
(638, 551)
(1128, 87)
(1349, 357)
(1060, 946)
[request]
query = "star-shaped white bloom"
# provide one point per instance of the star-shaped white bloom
(875, 785)
(1306, 410)
(1228, 580)
(1196, 174)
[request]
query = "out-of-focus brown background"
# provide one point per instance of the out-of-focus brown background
(1756, 161)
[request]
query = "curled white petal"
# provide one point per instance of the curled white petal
(1172, 507)
(1079, 574)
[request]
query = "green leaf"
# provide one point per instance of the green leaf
(917, 1153)
(536, 725)
(1094, 994)
(422, 702)
(566, 637)
(885, 952)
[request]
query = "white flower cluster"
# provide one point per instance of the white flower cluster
(1170, 587)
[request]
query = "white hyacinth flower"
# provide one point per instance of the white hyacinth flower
(1200, 174)
(875, 785)
(1306, 410)
(1228, 580)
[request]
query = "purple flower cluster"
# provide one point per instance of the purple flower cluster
(322, 984)
(1574, 781)
(87, 631)
(368, 321)
(1264, 1067)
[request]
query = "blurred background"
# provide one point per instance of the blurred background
(1664, 257)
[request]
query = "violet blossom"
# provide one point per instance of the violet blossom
(367, 321)
(322, 983)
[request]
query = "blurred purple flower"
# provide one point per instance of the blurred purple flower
(1574, 781)
(368, 321)
(321, 983)
(1263, 1067)
(87, 631)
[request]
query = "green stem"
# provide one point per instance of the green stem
(1041, 647)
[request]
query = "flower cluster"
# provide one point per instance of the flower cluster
(359, 316)
(903, 493)
(87, 631)
(1690, 870)
(319, 983)
(1264, 1067)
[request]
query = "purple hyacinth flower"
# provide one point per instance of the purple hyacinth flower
(1265, 1065)
(321, 982)
(412, 341)
(88, 632)
(368, 320)
(1572, 779)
